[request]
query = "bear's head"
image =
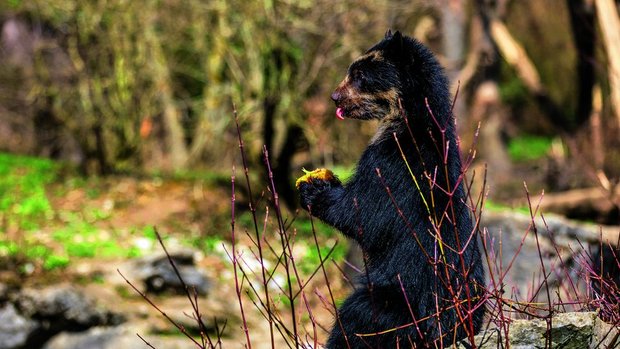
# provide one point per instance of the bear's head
(396, 74)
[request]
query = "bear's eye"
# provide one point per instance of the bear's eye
(358, 77)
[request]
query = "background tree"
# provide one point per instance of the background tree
(126, 86)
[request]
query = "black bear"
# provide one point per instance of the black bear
(405, 206)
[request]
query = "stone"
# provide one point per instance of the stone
(14, 328)
(557, 240)
(32, 316)
(158, 275)
(113, 338)
(568, 331)
(63, 304)
(605, 335)
(577, 330)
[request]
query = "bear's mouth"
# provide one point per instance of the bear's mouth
(340, 113)
(349, 112)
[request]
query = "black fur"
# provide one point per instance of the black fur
(393, 226)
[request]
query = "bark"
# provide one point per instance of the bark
(100, 149)
(175, 135)
(269, 111)
(453, 29)
(609, 23)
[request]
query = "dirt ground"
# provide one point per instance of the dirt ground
(181, 211)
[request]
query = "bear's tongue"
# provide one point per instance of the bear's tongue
(340, 113)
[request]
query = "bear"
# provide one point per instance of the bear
(405, 205)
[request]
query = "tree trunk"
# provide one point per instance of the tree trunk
(453, 29)
(175, 135)
(282, 171)
(584, 34)
(516, 56)
(609, 23)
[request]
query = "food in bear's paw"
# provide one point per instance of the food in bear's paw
(320, 173)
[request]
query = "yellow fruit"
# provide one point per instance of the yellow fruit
(319, 173)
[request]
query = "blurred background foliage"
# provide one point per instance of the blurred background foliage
(117, 86)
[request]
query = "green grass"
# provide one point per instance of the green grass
(493, 206)
(35, 253)
(55, 262)
(528, 148)
(343, 173)
(50, 239)
(82, 239)
(25, 207)
(8, 248)
(304, 228)
(23, 198)
(311, 261)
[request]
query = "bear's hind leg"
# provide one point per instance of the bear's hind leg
(370, 321)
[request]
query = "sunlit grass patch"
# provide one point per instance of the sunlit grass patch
(528, 147)
(23, 199)
(494, 206)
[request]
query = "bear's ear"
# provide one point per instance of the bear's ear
(388, 34)
(395, 45)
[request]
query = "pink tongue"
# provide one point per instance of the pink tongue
(339, 113)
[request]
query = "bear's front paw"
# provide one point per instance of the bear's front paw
(314, 184)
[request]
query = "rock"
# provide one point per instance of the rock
(560, 241)
(14, 328)
(568, 331)
(32, 316)
(63, 304)
(95, 338)
(113, 338)
(605, 335)
(158, 275)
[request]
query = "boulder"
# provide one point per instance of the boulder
(556, 241)
(14, 328)
(158, 275)
(568, 331)
(113, 338)
(32, 316)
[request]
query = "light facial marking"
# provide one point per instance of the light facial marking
(373, 56)
(368, 104)
(344, 84)
(391, 96)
